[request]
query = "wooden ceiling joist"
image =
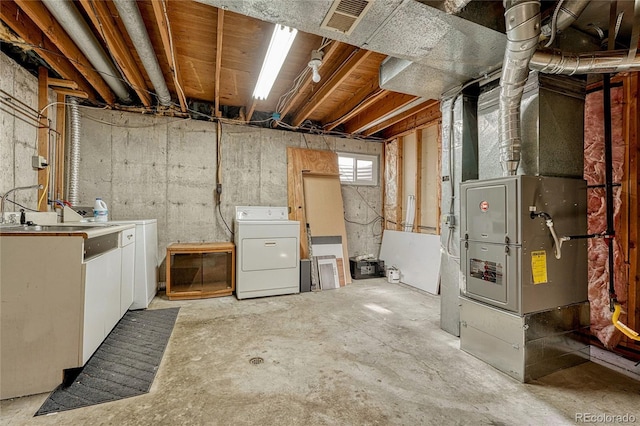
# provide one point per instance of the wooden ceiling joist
(399, 117)
(159, 8)
(19, 22)
(99, 14)
(251, 108)
(330, 85)
(415, 121)
(54, 31)
(366, 96)
(329, 55)
(70, 92)
(219, 34)
(386, 105)
(59, 82)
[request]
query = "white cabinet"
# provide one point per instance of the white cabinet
(62, 294)
(101, 300)
(128, 244)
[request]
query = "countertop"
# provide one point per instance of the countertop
(85, 230)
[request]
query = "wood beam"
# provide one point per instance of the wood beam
(59, 82)
(419, 120)
(363, 99)
(250, 109)
(99, 14)
(159, 9)
(330, 85)
(398, 118)
(439, 173)
(385, 106)
(329, 55)
(19, 22)
(60, 128)
(401, 189)
(52, 29)
(70, 92)
(632, 138)
(417, 222)
(219, 35)
(43, 137)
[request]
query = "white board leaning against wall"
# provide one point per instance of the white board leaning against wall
(417, 256)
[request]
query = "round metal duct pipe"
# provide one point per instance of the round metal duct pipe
(74, 24)
(522, 19)
(569, 11)
(74, 151)
(557, 62)
(130, 15)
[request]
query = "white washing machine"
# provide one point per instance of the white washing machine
(267, 252)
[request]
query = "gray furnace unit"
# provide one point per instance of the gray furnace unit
(524, 290)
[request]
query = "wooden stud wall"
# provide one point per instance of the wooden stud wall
(43, 137)
(631, 123)
(417, 222)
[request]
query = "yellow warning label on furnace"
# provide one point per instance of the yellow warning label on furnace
(539, 266)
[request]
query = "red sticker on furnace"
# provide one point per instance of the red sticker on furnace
(484, 206)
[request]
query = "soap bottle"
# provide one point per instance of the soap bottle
(100, 211)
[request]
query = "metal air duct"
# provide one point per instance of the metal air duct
(557, 62)
(130, 15)
(569, 11)
(74, 24)
(522, 19)
(74, 151)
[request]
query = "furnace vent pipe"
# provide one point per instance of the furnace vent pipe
(74, 24)
(522, 20)
(74, 151)
(130, 15)
(567, 15)
(557, 62)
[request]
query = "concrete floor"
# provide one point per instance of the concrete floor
(370, 353)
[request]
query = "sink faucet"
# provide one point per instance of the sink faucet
(6, 194)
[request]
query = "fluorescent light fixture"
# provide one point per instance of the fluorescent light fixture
(281, 42)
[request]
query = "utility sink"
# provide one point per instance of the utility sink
(45, 228)
(56, 228)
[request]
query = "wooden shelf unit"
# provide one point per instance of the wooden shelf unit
(200, 270)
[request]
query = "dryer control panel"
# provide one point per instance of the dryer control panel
(261, 213)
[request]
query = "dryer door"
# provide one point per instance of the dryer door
(260, 254)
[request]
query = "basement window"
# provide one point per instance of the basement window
(358, 169)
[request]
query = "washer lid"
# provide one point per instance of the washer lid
(244, 213)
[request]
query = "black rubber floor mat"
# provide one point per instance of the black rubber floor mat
(124, 365)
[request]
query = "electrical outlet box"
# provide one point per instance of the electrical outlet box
(38, 162)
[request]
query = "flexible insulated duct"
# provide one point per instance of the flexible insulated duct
(130, 15)
(74, 24)
(522, 20)
(74, 151)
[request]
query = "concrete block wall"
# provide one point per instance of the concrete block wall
(165, 168)
(18, 134)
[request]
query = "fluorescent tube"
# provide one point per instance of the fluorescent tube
(281, 42)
